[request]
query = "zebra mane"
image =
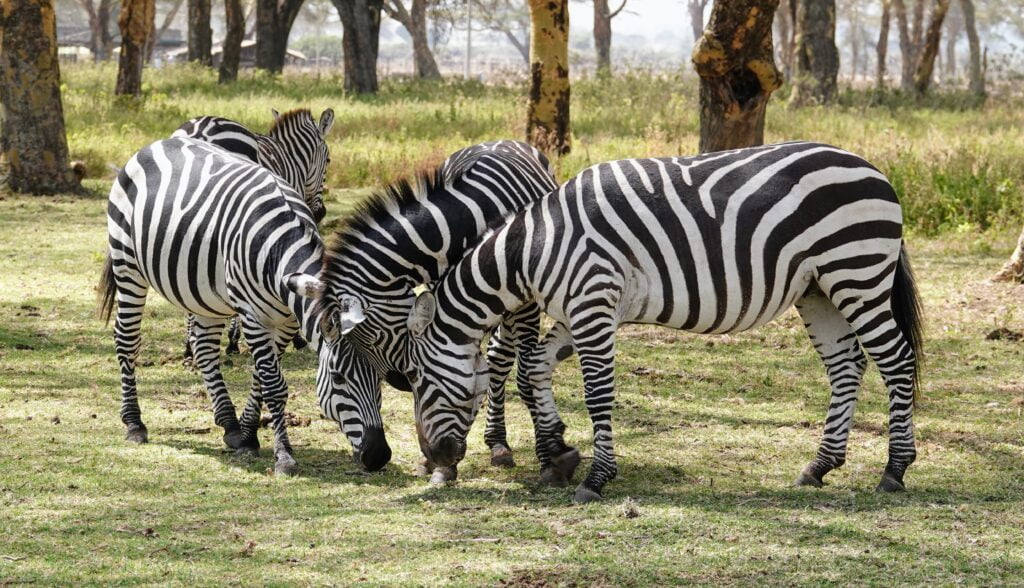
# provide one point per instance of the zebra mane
(286, 119)
(376, 209)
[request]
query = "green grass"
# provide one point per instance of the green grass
(711, 431)
(954, 166)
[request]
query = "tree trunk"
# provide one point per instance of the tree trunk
(784, 37)
(106, 45)
(415, 22)
(603, 36)
(232, 49)
(200, 35)
(522, 47)
(99, 29)
(736, 65)
(976, 79)
(908, 53)
(1013, 270)
(360, 41)
(154, 39)
(696, 10)
(882, 48)
(33, 146)
(954, 26)
(817, 59)
(136, 23)
(547, 119)
(274, 21)
(854, 50)
(923, 75)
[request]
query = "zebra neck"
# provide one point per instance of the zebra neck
(273, 157)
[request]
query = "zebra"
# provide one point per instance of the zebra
(405, 236)
(217, 236)
(717, 243)
(290, 149)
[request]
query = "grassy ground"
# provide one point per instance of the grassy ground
(711, 431)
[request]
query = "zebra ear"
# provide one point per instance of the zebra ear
(422, 314)
(326, 120)
(351, 313)
(277, 115)
(304, 285)
(329, 326)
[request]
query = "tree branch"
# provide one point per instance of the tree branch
(616, 12)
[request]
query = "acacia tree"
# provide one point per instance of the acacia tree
(511, 18)
(100, 41)
(696, 10)
(882, 48)
(231, 51)
(736, 65)
(414, 19)
(975, 75)
(33, 145)
(603, 33)
(547, 120)
(816, 62)
(136, 23)
(200, 35)
(360, 41)
(274, 20)
(930, 48)
(785, 33)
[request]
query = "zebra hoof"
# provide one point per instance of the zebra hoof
(444, 475)
(585, 495)
(234, 438)
(501, 457)
(552, 476)
(890, 483)
(285, 465)
(567, 463)
(247, 451)
(808, 479)
(231, 349)
(137, 434)
(424, 468)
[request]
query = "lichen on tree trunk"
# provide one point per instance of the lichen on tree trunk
(736, 65)
(33, 145)
(816, 63)
(547, 124)
(137, 24)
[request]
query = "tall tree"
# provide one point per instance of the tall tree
(736, 65)
(975, 75)
(274, 20)
(100, 41)
(816, 64)
(200, 35)
(360, 41)
(785, 30)
(603, 33)
(231, 51)
(414, 19)
(926, 60)
(954, 26)
(136, 24)
(161, 30)
(508, 17)
(33, 145)
(882, 48)
(547, 120)
(695, 8)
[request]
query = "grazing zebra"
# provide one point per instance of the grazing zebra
(717, 243)
(406, 236)
(292, 149)
(217, 236)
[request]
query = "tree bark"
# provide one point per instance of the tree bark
(816, 65)
(908, 53)
(923, 75)
(33, 146)
(882, 48)
(547, 119)
(274, 22)
(136, 23)
(200, 35)
(954, 26)
(152, 42)
(360, 41)
(696, 10)
(736, 65)
(784, 37)
(100, 42)
(975, 76)
(232, 49)
(603, 34)
(415, 22)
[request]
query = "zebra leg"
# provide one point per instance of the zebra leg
(265, 348)
(250, 420)
(234, 334)
(837, 345)
(207, 333)
(188, 357)
(500, 357)
(131, 300)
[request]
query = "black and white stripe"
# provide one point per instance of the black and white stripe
(717, 243)
(216, 235)
(409, 235)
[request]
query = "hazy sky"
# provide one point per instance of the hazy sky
(649, 18)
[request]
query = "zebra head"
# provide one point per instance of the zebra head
(296, 149)
(449, 376)
(348, 386)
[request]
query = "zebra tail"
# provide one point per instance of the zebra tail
(906, 310)
(107, 291)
